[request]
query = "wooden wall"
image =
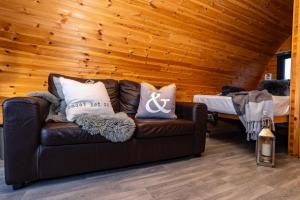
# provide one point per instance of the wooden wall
(199, 45)
(294, 122)
(272, 64)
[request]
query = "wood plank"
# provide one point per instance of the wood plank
(272, 64)
(294, 124)
(277, 119)
(199, 45)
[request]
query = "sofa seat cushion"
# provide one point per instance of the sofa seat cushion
(54, 134)
(152, 128)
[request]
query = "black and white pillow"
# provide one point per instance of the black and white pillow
(58, 87)
(156, 103)
(85, 98)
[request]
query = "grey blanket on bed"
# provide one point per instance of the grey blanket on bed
(116, 128)
(252, 107)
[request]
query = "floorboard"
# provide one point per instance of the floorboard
(227, 170)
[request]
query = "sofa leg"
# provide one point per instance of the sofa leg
(18, 186)
(198, 155)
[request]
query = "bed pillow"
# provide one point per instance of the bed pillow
(230, 89)
(275, 87)
(85, 98)
(156, 103)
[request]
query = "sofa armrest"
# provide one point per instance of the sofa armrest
(191, 111)
(23, 118)
(196, 112)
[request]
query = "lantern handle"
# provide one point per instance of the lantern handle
(266, 122)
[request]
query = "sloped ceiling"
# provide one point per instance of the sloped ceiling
(200, 45)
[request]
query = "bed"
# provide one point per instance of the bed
(223, 106)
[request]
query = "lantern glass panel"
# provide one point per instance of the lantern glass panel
(266, 149)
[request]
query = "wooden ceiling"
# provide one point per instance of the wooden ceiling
(200, 45)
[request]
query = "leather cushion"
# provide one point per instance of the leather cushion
(54, 134)
(112, 87)
(129, 96)
(151, 128)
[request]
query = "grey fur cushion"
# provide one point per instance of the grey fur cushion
(116, 128)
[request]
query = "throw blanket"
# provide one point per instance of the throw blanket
(57, 111)
(116, 128)
(252, 107)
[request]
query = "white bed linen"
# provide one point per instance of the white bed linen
(223, 104)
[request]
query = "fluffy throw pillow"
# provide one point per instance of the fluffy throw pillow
(156, 103)
(85, 98)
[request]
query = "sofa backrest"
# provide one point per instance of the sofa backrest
(111, 85)
(129, 96)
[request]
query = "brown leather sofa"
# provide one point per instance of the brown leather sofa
(37, 150)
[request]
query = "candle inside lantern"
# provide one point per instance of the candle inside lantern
(266, 149)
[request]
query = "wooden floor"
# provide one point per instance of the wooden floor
(227, 170)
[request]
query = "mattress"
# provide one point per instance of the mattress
(223, 104)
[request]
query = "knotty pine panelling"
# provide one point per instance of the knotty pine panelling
(294, 118)
(272, 64)
(199, 45)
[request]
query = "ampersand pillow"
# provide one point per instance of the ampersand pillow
(156, 103)
(85, 98)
